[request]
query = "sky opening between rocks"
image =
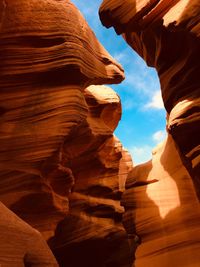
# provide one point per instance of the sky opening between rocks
(142, 125)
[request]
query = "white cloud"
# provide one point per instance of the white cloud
(128, 104)
(121, 57)
(141, 154)
(159, 136)
(156, 101)
(141, 83)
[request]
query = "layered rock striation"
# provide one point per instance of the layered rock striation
(162, 211)
(93, 228)
(21, 245)
(161, 195)
(46, 62)
(62, 170)
(166, 34)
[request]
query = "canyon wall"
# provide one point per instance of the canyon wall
(162, 211)
(20, 244)
(62, 170)
(162, 196)
(93, 228)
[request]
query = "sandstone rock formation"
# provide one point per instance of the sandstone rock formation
(62, 170)
(166, 34)
(93, 228)
(163, 209)
(46, 62)
(20, 244)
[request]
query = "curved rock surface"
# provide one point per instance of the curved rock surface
(20, 244)
(48, 56)
(166, 35)
(93, 228)
(162, 211)
(62, 170)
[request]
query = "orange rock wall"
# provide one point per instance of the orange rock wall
(93, 228)
(62, 170)
(166, 34)
(162, 197)
(162, 211)
(20, 244)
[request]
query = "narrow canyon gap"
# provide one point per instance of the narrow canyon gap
(64, 176)
(143, 120)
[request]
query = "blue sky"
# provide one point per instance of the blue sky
(142, 125)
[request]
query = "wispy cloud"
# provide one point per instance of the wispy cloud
(159, 136)
(139, 92)
(121, 57)
(156, 101)
(141, 81)
(141, 154)
(128, 104)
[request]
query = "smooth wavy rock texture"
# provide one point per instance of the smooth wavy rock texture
(49, 55)
(163, 209)
(93, 228)
(20, 244)
(166, 34)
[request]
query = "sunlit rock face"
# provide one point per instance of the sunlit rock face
(162, 197)
(162, 211)
(167, 35)
(61, 168)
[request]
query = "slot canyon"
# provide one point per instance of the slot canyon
(70, 192)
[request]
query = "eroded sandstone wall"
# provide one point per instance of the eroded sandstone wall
(162, 211)
(166, 35)
(20, 244)
(93, 227)
(62, 170)
(162, 197)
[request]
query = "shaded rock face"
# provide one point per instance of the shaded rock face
(162, 196)
(93, 228)
(21, 245)
(62, 170)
